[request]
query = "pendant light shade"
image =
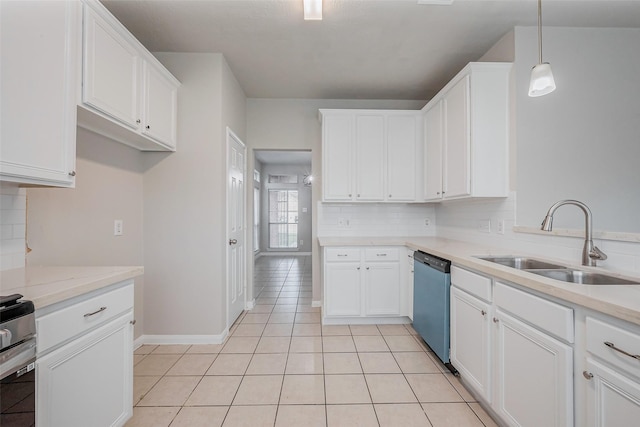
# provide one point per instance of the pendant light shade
(542, 81)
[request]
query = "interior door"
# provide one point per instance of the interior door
(236, 265)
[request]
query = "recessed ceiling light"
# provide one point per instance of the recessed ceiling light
(312, 10)
(438, 2)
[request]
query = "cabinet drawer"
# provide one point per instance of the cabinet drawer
(342, 254)
(381, 254)
(473, 283)
(60, 325)
(546, 315)
(599, 332)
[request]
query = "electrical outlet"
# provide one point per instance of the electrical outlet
(342, 222)
(501, 226)
(427, 222)
(301, 242)
(485, 226)
(117, 227)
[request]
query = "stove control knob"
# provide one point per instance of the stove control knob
(5, 335)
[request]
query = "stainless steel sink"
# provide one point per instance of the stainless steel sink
(583, 277)
(522, 263)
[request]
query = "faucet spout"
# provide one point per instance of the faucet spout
(590, 253)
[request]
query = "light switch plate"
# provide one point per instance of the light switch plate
(485, 226)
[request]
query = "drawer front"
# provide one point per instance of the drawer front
(381, 254)
(342, 254)
(546, 315)
(472, 283)
(60, 325)
(620, 340)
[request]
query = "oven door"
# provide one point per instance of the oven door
(18, 385)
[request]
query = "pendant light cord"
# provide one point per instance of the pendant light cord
(539, 31)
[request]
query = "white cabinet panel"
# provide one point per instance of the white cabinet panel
(40, 44)
(342, 289)
(111, 67)
(337, 152)
(534, 378)
(382, 281)
(471, 341)
(613, 399)
(456, 148)
(433, 152)
(369, 157)
(160, 106)
(401, 158)
(88, 381)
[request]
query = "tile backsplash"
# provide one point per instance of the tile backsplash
(13, 220)
(375, 219)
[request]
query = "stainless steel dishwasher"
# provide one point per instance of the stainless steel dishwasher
(431, 297)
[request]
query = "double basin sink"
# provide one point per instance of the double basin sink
(558, 272)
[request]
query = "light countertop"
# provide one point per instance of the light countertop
(620, 301)
(49, 285)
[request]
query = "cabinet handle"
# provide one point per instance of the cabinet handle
(342, 254)
(381, 254)
(358, 195)
(410, 256)
(483, 312)
(138, 121)
(587, 375)
(367, 268)
(495, 320)
(233, 241)
(390, 196)
(101, 309)
(72, 173)
(438, 192)
(133, 322)
(349, 194)
(613, 346)
(148, 127)
(358, 268)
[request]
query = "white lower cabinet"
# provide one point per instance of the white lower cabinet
(84, 366)
(362, 283)
(613, 398)
(471, 340)
(88, 381)
(534, 376)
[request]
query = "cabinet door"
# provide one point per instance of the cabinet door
(111, 67)
(160, 106)
(534, 376)
(471, 341)
(613, 399)
(337, 157)
(342, 289)
(433, 153)
(457, 156)
(40, 42)
(88, 381)
(369, 157)
(382, 289)
(401, 158)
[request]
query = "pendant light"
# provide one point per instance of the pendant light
(542, 81)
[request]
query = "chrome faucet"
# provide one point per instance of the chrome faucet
(590, 252)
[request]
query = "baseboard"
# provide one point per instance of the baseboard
(316, 303)
(250, 304)
(284, 253)
(366, 320)
(180, 339)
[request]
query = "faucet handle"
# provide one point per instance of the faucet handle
(596, 253)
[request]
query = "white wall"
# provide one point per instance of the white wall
(13, 207)
(293, 124)
(583, 140)
(74, 226)
(185, 212)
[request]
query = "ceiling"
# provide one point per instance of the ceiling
(362, 49)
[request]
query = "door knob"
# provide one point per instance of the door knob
(232, 241)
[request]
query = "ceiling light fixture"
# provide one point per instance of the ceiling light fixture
(312, 10)
(542, 81)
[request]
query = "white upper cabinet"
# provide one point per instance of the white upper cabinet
(40, 44)
(370, 155)
(127, 95)
(467, 135)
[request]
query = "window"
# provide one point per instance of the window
(283, 179)
(283, 219)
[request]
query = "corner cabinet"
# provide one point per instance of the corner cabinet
(364, 285)
(467, 135)
(370, 155)
(40, 70)
(84, 367)
(126, 95)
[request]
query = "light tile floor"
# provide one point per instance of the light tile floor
(279, 367)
